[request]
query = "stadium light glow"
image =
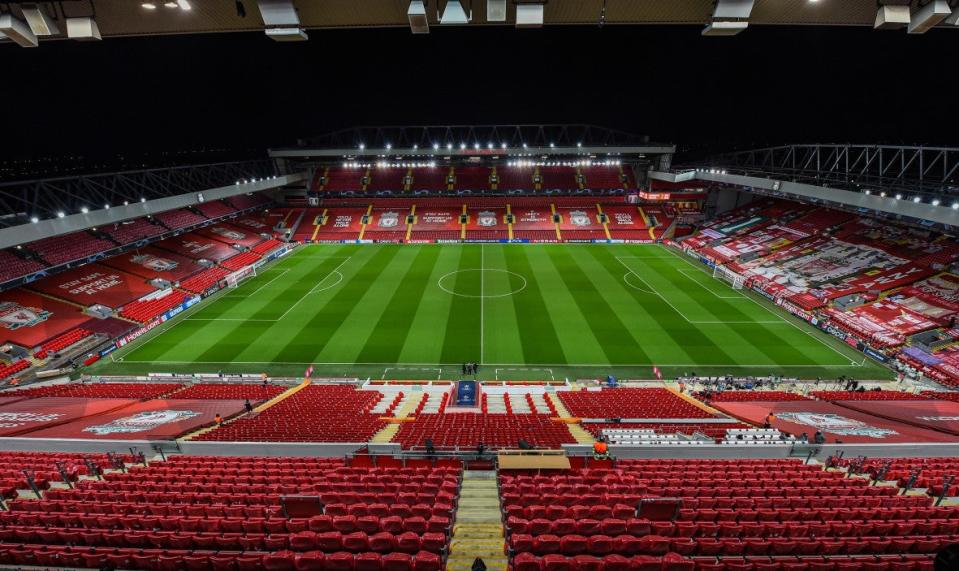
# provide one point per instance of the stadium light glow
(552, 145)
(142, 199)
(502, 145)
(388, 146)
(84, 210)
(917, 199)
(415, 146)
(579, 145)
(462, 146)
(955, 205)
(882, 194)
(525, 146)
(148, 6)
(106, 207)
(34, 219)
(184, 5)
(449, 146)
(170, 4)
(362, 146)
(476, 146)
(60, 214)
(126, 203)
(489, 145)
(898, 196)
(935, 202)
(436, 146)
(868, 192)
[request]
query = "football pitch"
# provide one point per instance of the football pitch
(523, 312)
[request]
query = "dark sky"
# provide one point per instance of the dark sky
(242, 91)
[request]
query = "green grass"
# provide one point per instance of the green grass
(522, 311)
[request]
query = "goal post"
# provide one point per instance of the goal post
(723, 273)
(236, 278)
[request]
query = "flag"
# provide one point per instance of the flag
(309, 371)
(658, 373)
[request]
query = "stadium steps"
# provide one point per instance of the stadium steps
(695, 402)
(581, 435)
(387, 433)
(478, 531)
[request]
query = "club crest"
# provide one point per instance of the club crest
(835, 424)
(14, 316)
(227, 233)
(579, 218)
(389, 220)
(486, 218)
(142, 421)
(154, 263)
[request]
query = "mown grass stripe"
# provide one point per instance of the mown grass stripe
(385, 343)
(615, 339)
(537, 332)
(312, 336)
(462, 339)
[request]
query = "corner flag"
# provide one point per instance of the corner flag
(658, 373)
(309, 371)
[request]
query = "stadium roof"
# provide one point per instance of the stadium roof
(130, 18)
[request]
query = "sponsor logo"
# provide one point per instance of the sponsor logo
(938, 418)
(154, 263)
(836, 424)
(142, 421)
(14, 316)
(17, 419)
(486, 218)
(389, 220)
(579, 218)
(227, 233)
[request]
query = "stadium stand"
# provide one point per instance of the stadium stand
(715, 431)
(429, 178)
(630, 403)
(602, 177)
(732, 514)
(866, 395)
(750, 395)
(557, 178)
(152, 263)
(514, 178)
(143, 311)
(466, 430)
(472, 178)
(941, 395)
(8, 370)
(69, 247)
(43, 466)
(386, 179)
(340, 224)
(143, 391)
(247, 201)
(266, 246)
(215, 209)
(241, 261)
(61, 342)
(580, 222)
(344, 179)
(226, 513)
(176, 219)
(133, 230)
(204, 280)
(13, 266)
(316, 413)
(223, 391)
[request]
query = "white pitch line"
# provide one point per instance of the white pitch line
(482, 302)
(783, 319)
(335, 270)
(281, 274)
(550, 371)
(702, 285)
(439, 371)
(683, 315)
(530, 365)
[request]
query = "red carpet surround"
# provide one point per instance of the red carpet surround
(936, 414)
(151, 420)
(24, 416)
(836, 422)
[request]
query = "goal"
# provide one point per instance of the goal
(725, 274)
(236, 278)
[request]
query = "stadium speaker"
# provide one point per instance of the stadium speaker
(529, 14)
(18, 31)
(39, 21)
(929, 16)
(893, 14)
(455, 13)
(419, 23)
(495, 10)
(83, 29)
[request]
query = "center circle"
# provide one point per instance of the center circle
(486, 282)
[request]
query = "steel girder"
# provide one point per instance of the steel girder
(917, 170)
(44, 198)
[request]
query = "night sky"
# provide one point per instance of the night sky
(239, 92)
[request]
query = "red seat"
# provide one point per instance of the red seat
(397, 562)
(279, 561)
(309, 561)
(367, 562)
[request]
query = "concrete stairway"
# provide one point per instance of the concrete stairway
(580, 434)
(408, 405)
(478, 531)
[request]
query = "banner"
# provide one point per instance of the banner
(24, 416)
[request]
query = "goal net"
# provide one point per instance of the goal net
(236, 278)
(725, 274)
